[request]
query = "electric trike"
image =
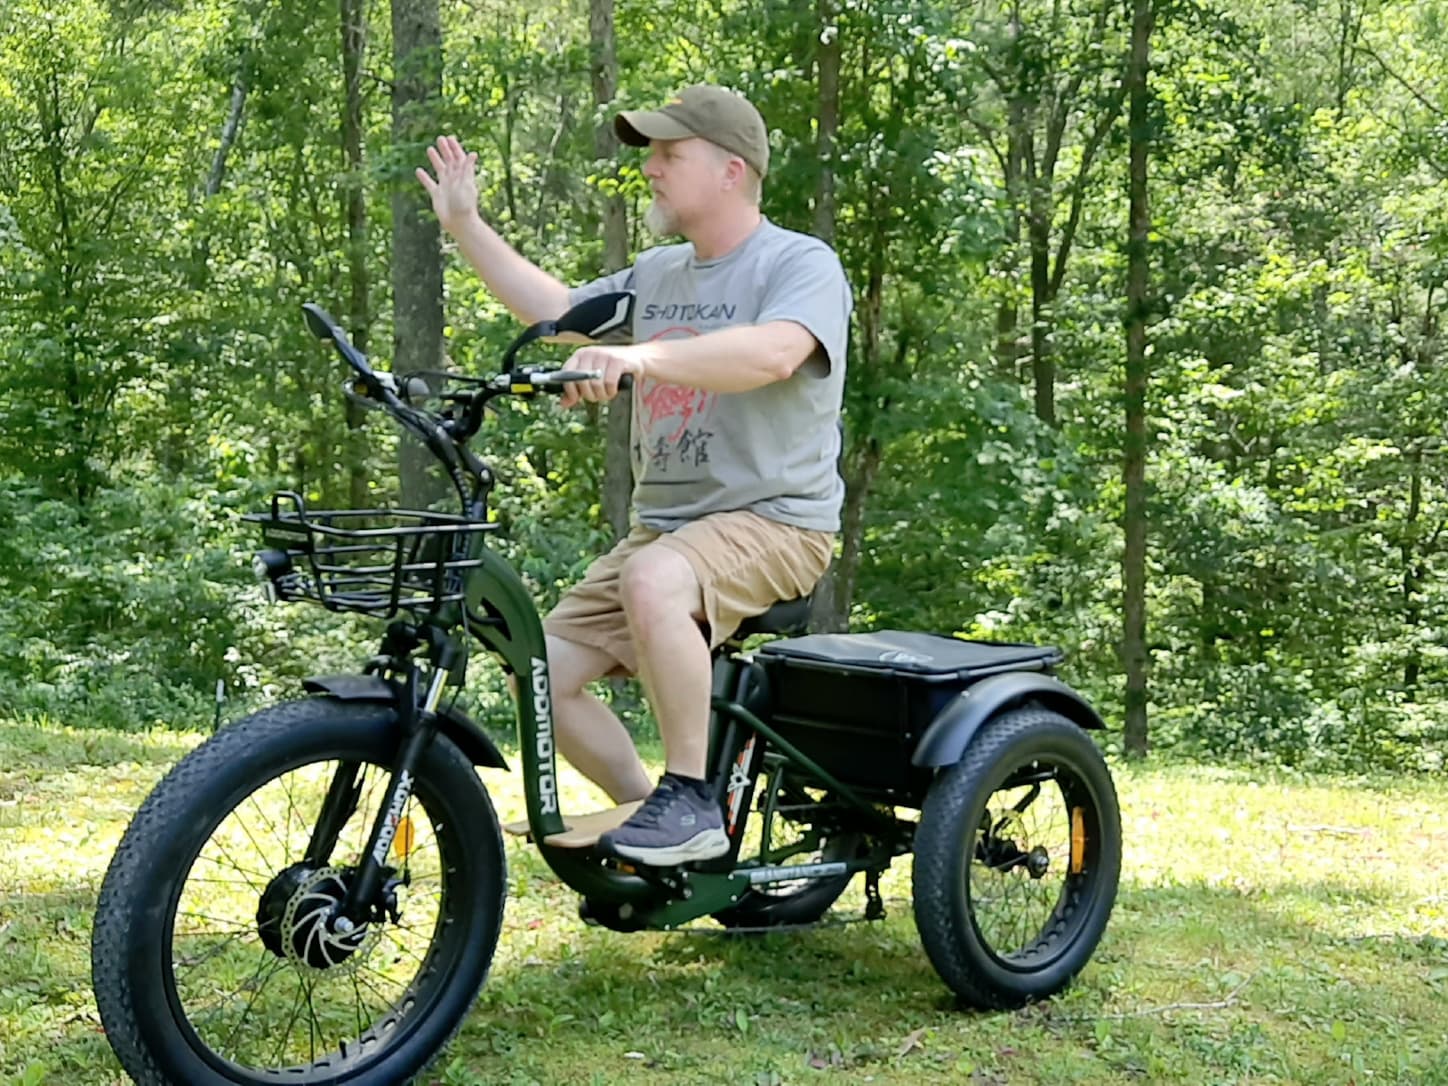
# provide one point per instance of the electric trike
(314, 894)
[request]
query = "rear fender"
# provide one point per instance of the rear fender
(951, 731)
(453, 723)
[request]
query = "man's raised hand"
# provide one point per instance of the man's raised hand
(454, 193)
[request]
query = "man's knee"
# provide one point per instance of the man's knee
(572, 666)
(658, 581)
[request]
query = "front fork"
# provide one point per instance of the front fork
(418, 724)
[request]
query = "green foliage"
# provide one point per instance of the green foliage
(155, 380)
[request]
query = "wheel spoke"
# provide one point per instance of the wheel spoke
(246, 829)
(226, 852)
(357, 1004)
(312, 1027)
(236, 925)
(291, 1021)
(1019, 866)
(272, 967)
(270, 825)
(225, 944)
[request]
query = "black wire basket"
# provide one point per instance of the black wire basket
(371, 561)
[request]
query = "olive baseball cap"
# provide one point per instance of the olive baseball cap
(712, 113)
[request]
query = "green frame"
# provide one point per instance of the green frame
(502, 615)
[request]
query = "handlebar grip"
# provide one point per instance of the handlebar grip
(561, 377)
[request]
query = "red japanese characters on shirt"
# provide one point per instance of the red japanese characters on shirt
(673, 417)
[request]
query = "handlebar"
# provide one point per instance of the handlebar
(447, 432)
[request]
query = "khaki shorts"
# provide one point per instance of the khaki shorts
(745, 564)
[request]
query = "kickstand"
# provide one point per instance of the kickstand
(874, 904)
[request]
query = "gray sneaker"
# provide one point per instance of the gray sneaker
(675, 825)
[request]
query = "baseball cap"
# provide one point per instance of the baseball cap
(712, 113)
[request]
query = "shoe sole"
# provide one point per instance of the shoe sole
(705, 845)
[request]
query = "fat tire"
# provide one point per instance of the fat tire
(953, 808)
(134, 912)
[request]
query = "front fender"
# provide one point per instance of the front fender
(453, 723)
(951, 731)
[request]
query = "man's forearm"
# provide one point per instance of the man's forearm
(529, 291)
(731, 359)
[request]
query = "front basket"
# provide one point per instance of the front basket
(373, 561)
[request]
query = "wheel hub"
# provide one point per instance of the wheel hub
(998, 848)
(298, 916)
(1037, 862)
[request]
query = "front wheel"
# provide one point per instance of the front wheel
(215, 958)
(1017, 858)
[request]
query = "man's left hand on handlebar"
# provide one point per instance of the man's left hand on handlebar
(611, 363)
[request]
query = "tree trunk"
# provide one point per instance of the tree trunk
(230, 128)
(1133, 642)
(416, 253)
(846, 571)
(1043, 366)
(359, 309)
(1041, 106)
(827, 69)
(1412, 572)
(830, 611)
(603, 58)
(1008, 315)
(175, 453)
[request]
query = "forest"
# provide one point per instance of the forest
(1146, 360)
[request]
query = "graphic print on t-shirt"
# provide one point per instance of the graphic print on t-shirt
(674, 423)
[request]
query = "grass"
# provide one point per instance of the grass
(1268, 929)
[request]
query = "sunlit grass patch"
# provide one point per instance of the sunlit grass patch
(1269, 928)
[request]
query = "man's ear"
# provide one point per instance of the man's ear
(735, 172)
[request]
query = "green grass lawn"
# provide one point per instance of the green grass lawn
(1268, 929)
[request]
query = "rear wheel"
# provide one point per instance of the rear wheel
(216, 956)
(791, 827)
(1017, 858)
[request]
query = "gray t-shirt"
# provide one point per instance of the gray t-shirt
(771, 450)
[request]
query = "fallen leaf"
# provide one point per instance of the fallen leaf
(823, 1061)
(911, 1043)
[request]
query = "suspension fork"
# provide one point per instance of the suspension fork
(337, 808)
(418, 725)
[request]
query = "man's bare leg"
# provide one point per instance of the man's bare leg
(681, 822)
(664, 604)
(588, 734)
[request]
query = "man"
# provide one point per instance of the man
(738, 365)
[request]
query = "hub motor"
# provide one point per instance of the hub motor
(299, 913)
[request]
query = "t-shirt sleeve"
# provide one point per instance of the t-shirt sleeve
(808, 286)
(608, 284)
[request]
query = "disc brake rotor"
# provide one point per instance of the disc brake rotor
(306, 933)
